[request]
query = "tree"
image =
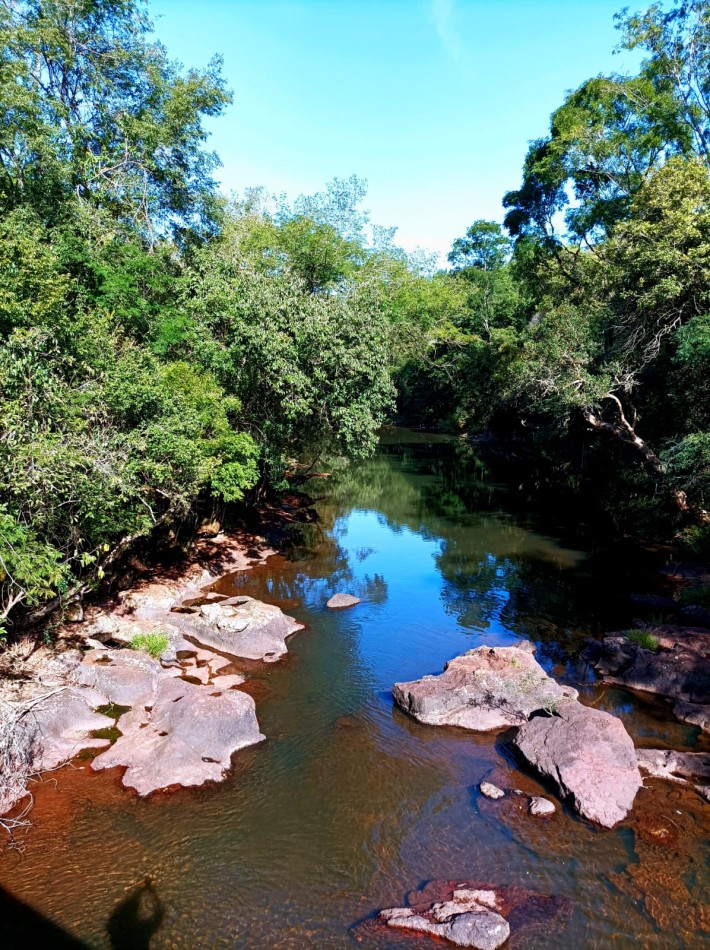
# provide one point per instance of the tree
(484, 247)
(94, 109)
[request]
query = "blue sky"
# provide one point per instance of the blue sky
(432, 101)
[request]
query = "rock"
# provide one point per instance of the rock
(679, 670)
(74, 613)
(467, 920)
(228, 681)
(703, 791)
(491, 791)
(125, 677)
(60, 726)
(694, 713)
(696, 613)
(655, 602)
(541, 807)
(250, 630)
(590, 757)
(340, 601)
(674, 766)
(486, 688)
(468, 914)
(189, 738)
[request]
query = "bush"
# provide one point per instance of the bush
(643, 639)
(153, 643)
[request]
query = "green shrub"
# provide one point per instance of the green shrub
(153, 643)
(696, 596)
(643, 639)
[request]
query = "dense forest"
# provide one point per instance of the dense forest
(165, 351)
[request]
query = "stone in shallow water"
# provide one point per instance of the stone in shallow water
(589, 755)
(486, 688)
(189, 738)
(490, 790)
(339, 601)
(541, 807)
(468, 914)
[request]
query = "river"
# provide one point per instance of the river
(349, 804)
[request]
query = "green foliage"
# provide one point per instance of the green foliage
(699, 596)
(153, 643)
(643, 639)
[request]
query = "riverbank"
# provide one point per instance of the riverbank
(111, 678)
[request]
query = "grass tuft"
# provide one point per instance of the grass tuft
(643, 639)
(153, 643)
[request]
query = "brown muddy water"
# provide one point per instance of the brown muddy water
(349, 804)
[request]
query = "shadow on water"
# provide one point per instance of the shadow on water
(24, 927)
(136, 918)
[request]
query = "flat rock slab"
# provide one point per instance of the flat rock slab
(126, 677)
(675, 766)
(468, 914)
(59, 727)
(340, 601)
(249, 630)
(486, 688)
(679, 670)
(589, 756)
(696, 714)
(189, 738)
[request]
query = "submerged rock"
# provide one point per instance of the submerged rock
(486, 688)
(247, 630)
(340, 601)
(589, 756)
(190, 736)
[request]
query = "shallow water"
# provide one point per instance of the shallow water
(349, 804)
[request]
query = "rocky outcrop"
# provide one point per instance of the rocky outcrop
(340, 601)
(187, 738)
(684, 767)
(471, 914)
(679, 669)
(486, 688)
(589, 757)
(247, 629)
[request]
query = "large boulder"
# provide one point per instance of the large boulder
(486, 688)
(189, 738)
(248, 630)
(588, 755)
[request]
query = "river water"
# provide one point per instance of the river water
(349, 804)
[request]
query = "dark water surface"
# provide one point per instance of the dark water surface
(349, 804)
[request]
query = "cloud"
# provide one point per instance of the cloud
(442, 12)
